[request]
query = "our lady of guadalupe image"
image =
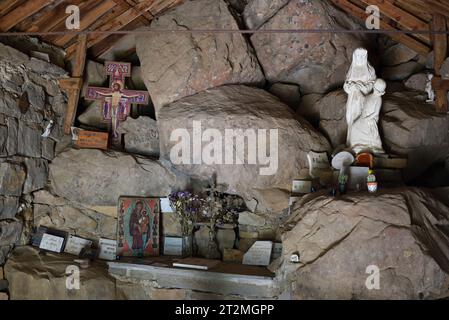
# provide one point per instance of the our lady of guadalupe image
(138, 227)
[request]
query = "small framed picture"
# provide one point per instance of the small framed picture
(138, 227)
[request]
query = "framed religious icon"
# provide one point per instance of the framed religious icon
(138, 227)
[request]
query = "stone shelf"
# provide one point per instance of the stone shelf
(225, 279)
(35, 274)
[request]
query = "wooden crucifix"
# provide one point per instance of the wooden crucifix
(116, 100)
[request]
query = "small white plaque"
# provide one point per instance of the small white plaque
(319, 166)
(172, 246)
(51, 243)
(108, 249)
(165, 206)
(76, 244)
(301, 186)
(259, 254)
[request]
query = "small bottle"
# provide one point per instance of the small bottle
(371, 182)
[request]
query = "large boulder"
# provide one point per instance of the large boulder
(257, 12)
(409, 127)
(417, 82)
(316, 62)
(93, 116)
(402, 71)
(398, 54)
(184, 64)
(57, 213)
(97, 178)
(289, 94)
(239, 108)
(35, 276)
(341, 241)
(141, 136)
(413, 128)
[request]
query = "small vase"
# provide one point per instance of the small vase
(187, 246)
(342, 188)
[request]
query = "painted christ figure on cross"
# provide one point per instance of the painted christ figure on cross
(116, 99)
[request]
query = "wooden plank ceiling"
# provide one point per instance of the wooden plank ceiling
(113, 15)
(405, 15)
(105, 15)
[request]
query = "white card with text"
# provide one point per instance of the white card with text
(108, 249)
(51, 243)
(76, 244)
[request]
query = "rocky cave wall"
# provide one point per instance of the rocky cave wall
(29, 99)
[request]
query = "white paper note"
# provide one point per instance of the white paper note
(108, 249)
(76, 244)
(51, 243)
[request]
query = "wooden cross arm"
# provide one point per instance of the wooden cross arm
(93, 93)
(136, 97)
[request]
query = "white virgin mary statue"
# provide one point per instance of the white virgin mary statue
(365, 93)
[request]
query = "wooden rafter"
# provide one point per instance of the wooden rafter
(73, 85)
(47, 18)
(103, 15)
(118, 23)
(404, 20)
(22, 12)
(87, 19)
(438, 6)
(416, 8)
(440, 47)
(405, 39)
(146, 16)
(60, 25)
(8, 5)
(104, 45)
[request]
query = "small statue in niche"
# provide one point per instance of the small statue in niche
(429, 89)
(47, 131)
(365, 93)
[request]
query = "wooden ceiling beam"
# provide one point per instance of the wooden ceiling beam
(85, 6)
(47, 18)
(405, 39)
(404, 19)
(22, 12)
(440, 47)
(87, 19)
(73, 85)
(104, 45)
(164, 5)
(438, 6)
(416, 8)
(116, 24)
(146, 16)
(158, 8)
(121, 7)
(7, 5)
